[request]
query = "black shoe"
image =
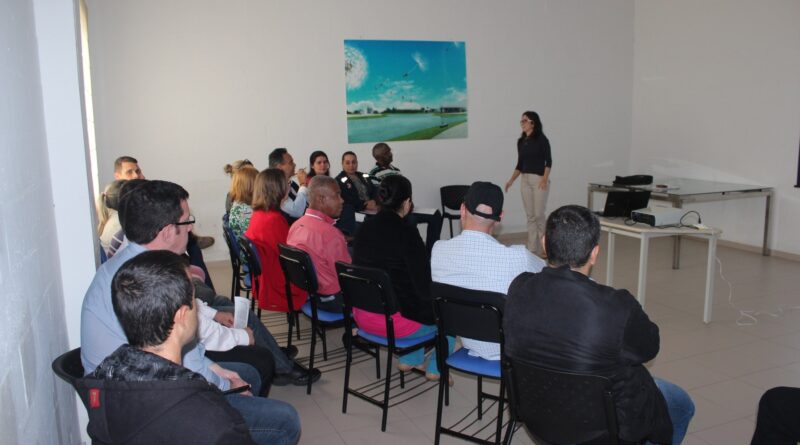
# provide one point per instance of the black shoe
(298, 376)
(290, 351)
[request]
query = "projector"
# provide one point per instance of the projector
(658, 216)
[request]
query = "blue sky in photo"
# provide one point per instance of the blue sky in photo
(405, 74)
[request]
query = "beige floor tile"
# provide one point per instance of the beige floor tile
(687, 373)
(738, 432)
(749, 358)
(708, 414)
(783, 376)
(738, 396)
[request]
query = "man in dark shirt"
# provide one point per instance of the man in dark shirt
(141, 393)
(562, 319)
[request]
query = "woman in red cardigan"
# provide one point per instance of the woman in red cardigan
(267, 229)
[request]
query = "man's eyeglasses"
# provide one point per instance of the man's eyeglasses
(188, 222)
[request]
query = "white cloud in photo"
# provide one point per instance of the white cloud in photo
(422, 64)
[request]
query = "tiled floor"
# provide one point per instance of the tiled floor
(725, 365)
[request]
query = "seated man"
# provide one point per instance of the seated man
(155, 216)
(141, 393)
(778, 421)
(324, 243)
(295, 204)
(475, 260)
(561, 319)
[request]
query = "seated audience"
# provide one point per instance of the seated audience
(315, 234)
(384, 168)
(141, 393)
(778, 421)
(295, 204)
(155, 216)
(230, 170)
(475, 260)
(242, 196)
(319, 164)
(267, 229)
(387, 241)
(561, 319)
(109, 229)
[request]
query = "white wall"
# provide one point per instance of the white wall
(188, 86)
(717, 96)
(37, 407)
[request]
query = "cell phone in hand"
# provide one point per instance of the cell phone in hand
(237, 390)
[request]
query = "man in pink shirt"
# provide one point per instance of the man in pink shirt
(314, 233)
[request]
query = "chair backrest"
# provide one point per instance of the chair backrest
(250, 256)
(452, 196)
(474, 314)
(366, 288)
(68, 366)
(233, 247)
(298, 268)
(561, 407)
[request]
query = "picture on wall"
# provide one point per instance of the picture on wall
(402, 90)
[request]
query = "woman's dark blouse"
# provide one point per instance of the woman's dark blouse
(389, 242)
(533, 155)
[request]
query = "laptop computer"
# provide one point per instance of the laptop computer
(623, 203)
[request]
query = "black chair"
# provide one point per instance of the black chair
(299, 270)
(249, 254)
(477, 315)
(560, 407)
(452, 197)
(68, 366)
(370, 289)
(240, 278)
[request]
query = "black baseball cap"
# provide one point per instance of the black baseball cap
(486, 193)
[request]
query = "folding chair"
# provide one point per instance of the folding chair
(477, 315)
(370, 289)
(299, 270)
(452, 197)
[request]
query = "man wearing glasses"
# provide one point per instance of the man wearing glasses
(155, 216)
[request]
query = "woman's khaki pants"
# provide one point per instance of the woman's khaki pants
(535, 200)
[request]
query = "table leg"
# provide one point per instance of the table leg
(610, 260)
(676, 242)
(765, 250)
(643, 252)
(711, 272)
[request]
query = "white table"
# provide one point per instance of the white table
(644, 233)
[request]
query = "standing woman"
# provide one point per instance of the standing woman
(534, 163)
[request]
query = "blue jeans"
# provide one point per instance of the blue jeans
(680, 406)
(269, 421)
(416, 358)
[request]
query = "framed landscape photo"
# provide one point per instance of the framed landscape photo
(401, 90)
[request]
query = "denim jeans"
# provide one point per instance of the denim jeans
(680, 407)
(269, 421)
(417, 357)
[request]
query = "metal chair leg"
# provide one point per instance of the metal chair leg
(385, 405)
(480, 397)
(311, 356)
(348, 361)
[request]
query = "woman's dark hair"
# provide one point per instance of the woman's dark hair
(348, 153)
(537, 125)
(312, 159)
(394, 190)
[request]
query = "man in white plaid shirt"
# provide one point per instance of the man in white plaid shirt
(475, 260)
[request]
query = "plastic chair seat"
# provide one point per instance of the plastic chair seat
(476, 365)
(323, 316)
(399, 342)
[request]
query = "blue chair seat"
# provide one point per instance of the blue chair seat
(476, 365)
(399, 342)
(323, 316)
